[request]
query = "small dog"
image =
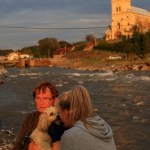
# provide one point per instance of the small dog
(40, 134)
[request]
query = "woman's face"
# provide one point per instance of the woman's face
(64, 116)
(44, 100)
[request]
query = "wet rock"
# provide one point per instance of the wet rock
(122, 105)
(3, 71)
(146, 68)
(6, 139)
(139, 103)
(95, 110)
(1, 81)
(144, 120)
(136, 118)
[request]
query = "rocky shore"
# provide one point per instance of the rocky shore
(95, 61)
(6, 139)
(3, 73)
(91, 60)
(80, 65)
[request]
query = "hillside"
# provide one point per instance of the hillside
(102, 60)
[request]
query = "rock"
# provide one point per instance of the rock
(144, 120)
(146, 68)
(3, 71)
(7, 139)
(135, 67)
(122, 105)
(139, 103)
(1, 81)
(136, 118)
(95, 110)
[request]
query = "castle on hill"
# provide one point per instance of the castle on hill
(124, 17)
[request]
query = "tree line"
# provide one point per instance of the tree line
(138, 44)
(46, 48)
(5, 52)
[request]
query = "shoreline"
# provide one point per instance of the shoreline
(102, 61)
(87, 65)
(87, 60)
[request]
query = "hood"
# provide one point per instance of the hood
(97, 127)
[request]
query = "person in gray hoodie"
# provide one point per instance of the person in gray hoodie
(84, 131)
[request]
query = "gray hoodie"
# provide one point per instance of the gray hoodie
(97, 135)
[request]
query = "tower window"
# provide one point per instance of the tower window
(119, 8)
(118, 25)
(148, 25)
(116, 9)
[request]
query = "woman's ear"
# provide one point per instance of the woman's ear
(67, 113)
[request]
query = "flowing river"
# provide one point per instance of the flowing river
(121, 98)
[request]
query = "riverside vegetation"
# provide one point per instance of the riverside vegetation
(101, 61)
(135, 49)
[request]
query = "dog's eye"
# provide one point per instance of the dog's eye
(51, 114)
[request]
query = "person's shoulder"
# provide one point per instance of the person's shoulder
(69, 135)
(32, 115)
(77, 130)
(72, 130)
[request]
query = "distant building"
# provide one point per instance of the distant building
(16, 56)
(124, 17)
(13, 56)
(90, 44)
(25, 56)
(3, 58)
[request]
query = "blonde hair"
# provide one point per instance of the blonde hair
(78, 102)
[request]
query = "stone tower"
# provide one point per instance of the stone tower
(124, 17)
(118, 8)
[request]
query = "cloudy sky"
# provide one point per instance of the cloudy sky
(40, 14)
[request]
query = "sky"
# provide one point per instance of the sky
(56, 15)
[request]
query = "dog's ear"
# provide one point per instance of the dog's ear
(43, 122)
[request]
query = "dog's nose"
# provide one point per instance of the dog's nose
(58, 117)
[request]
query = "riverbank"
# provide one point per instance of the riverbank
(90, 60)
(101, 61)
(3, 73)
(6, 139)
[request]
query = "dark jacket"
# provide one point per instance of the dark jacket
(29, 124)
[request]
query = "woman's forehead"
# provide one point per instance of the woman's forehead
(43, 91)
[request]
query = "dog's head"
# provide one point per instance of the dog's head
(47, 117)
(52, 113)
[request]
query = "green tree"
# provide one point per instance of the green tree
(31, 50)
(139, 41)
(5, 52)
(146, 42)
(48, 46)
(64, 44)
